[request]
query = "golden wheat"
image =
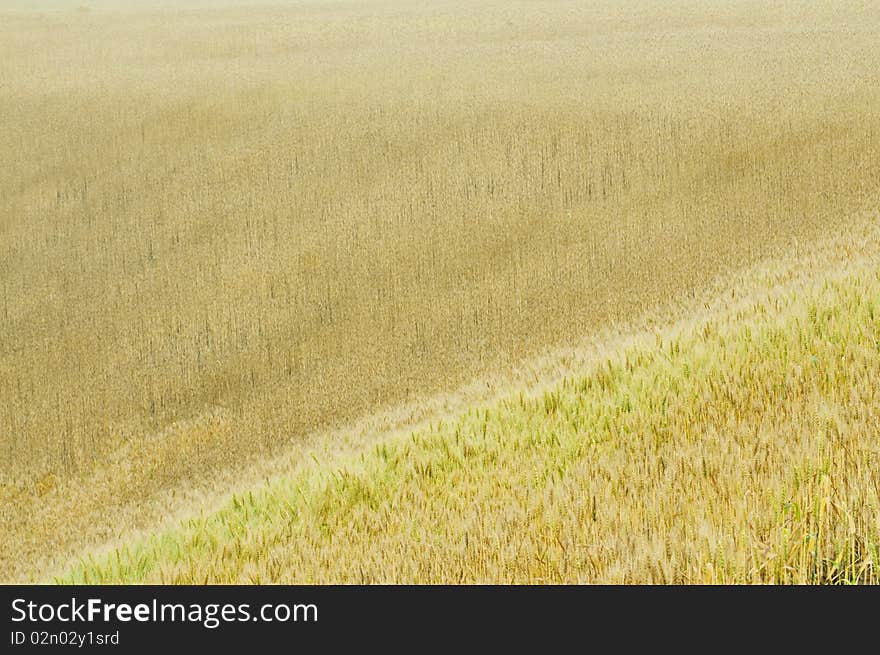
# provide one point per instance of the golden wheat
(227, 229)
(739, 447)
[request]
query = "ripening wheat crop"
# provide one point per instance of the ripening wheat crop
(224, 231)
(737, 446)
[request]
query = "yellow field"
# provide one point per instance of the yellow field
(740, 445)
(238, 239)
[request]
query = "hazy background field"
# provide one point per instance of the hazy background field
(223, 228)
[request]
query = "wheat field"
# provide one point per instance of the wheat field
(240, 239)
(735, 446)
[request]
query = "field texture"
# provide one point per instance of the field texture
(228, 232)
(740, 445)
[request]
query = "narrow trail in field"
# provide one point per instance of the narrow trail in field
(95, 532)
